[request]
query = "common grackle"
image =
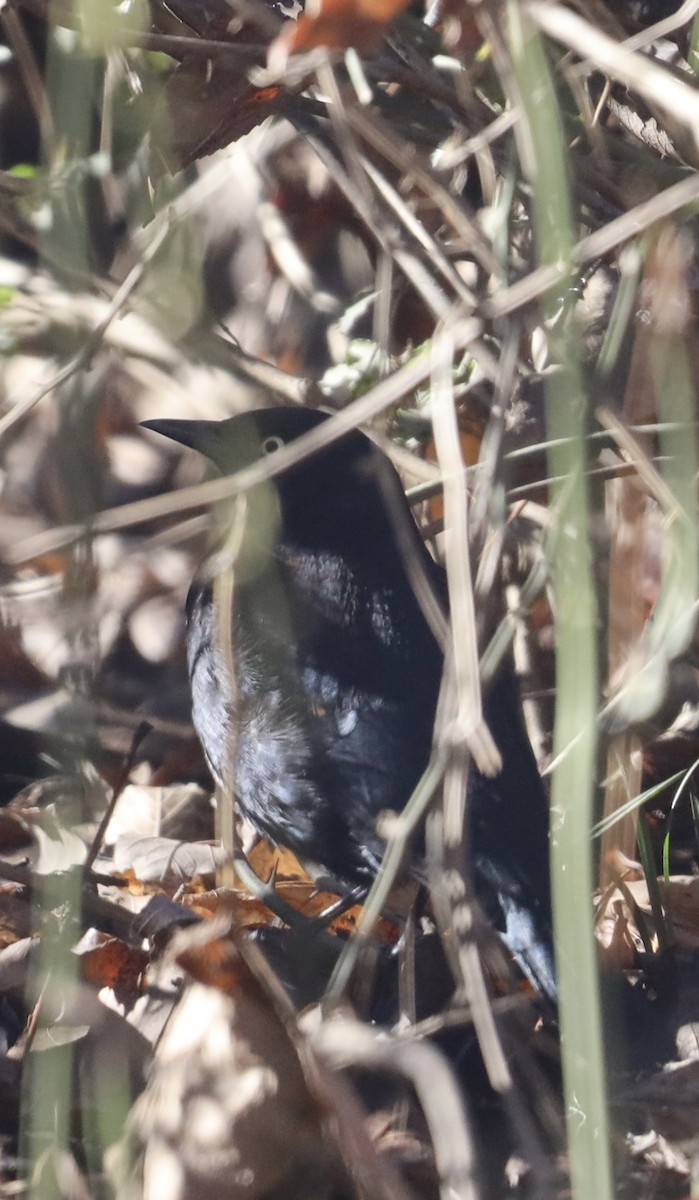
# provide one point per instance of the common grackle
(328, 718)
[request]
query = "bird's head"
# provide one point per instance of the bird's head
(333, 486)
(240, 441)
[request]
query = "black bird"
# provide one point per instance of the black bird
(329, 717)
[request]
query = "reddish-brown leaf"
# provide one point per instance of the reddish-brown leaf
(337, 24)
(115, 965)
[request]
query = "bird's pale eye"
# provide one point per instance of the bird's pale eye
(271, 444)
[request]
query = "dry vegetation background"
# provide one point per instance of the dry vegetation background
(471, 228)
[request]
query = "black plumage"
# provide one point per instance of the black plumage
(329, 717)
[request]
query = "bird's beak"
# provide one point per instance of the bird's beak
(203, 436)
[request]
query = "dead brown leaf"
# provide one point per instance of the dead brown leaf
(226, 1113)
(338, 25)
(111, 963)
